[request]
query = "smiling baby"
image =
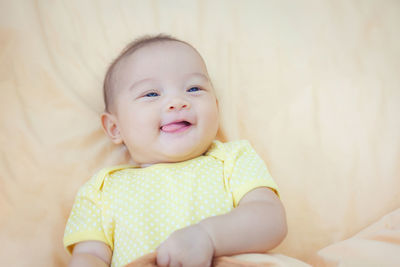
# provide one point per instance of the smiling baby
(187, 196)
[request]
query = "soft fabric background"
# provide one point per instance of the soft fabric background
(314, 85)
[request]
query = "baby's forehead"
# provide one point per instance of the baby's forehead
(163, 49)
(167, 57)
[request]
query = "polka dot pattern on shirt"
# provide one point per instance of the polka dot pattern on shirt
(134, 209)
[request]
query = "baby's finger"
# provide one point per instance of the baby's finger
(162, 259)
(175, 263)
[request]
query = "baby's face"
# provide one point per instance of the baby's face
(165, 109)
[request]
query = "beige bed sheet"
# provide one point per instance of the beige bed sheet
(313, 85)
(242, 260)
(378, 245)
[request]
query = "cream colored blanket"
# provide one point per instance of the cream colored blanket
(313, 85)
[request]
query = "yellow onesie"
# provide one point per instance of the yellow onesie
(134, 209)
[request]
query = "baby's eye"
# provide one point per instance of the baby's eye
(151, 94)
(193, 89)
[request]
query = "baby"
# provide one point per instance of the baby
(187, 196)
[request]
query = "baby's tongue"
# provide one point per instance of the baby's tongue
(172, 127)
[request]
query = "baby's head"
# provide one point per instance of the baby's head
(160, 101)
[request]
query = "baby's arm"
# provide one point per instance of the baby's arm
(258, 224)
(91, 253)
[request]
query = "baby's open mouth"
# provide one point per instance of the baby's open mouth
(175, 127)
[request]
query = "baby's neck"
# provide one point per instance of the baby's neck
(147, 164)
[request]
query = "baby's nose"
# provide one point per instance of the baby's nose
(178, 104)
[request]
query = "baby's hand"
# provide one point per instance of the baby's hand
(188, 247)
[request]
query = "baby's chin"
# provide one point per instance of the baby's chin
(174, 155)
(180, 155)
(166, 159)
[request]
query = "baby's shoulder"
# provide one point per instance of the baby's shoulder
(96, 182)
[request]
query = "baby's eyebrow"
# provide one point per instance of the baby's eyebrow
(197, 74)
(187, 76)
(139, 82)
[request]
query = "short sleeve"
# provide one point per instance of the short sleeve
(85, 220)
(246, 171)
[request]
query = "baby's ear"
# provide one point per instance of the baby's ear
(110, 126)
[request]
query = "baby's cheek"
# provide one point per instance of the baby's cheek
(212, 118)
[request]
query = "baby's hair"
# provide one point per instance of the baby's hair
(128, 50)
